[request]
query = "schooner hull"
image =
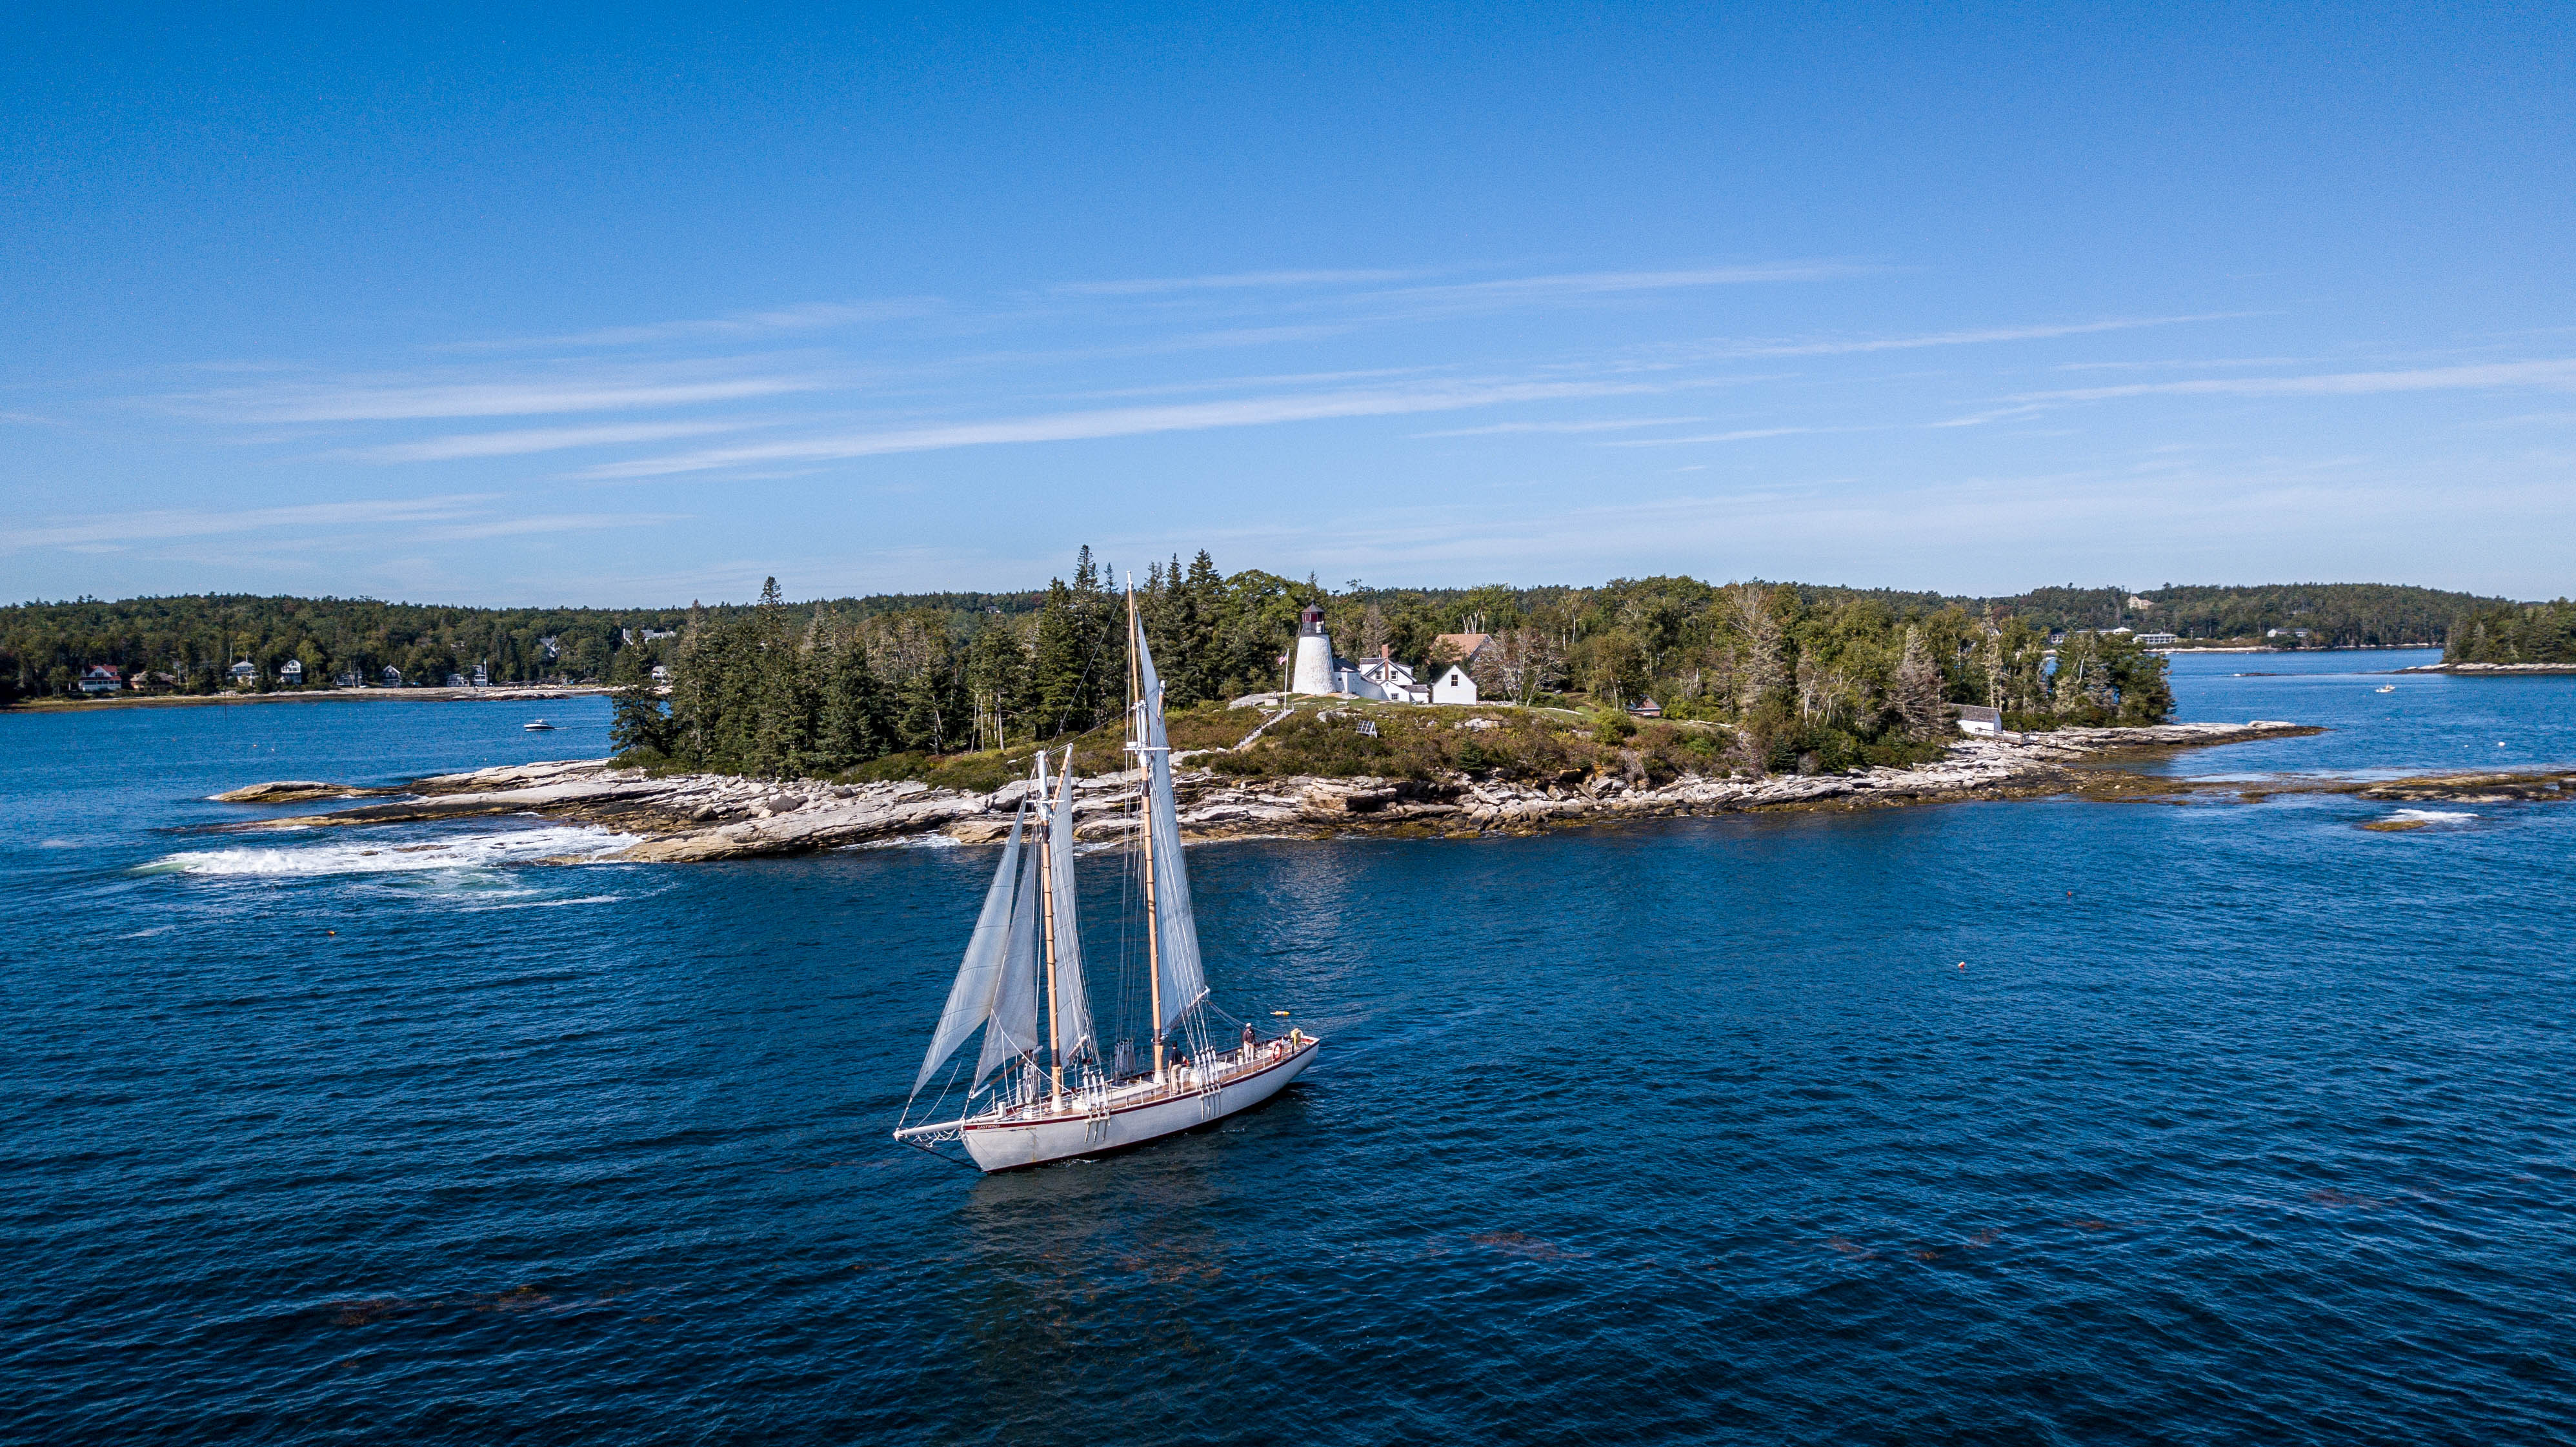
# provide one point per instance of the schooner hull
(1010, 1145)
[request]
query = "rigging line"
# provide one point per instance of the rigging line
(934, 1153)
(1089, 664)
(1126, 962)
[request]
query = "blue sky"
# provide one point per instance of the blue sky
(623, 308)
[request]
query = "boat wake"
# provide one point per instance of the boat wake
(498, 850)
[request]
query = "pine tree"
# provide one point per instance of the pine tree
(1056, 667)
(1196, 662)
(853, 725)
(636, 721)
(997, 674)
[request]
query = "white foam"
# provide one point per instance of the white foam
(2433, 817)
(544, 903)
(353, 856)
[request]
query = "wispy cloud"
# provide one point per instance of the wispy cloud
(1748, 434)
(1232, 281)
(1831, 347)
(521, 442)
(1617, 424)
(165, 524)
(421, 399)
(512, 527)
(1999, 414)
(1607, 283)
(2554, 374)
(810, 316)
(1136, 421)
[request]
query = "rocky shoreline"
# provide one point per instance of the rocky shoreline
(702, 817)
(2491, 670)
(490, 693)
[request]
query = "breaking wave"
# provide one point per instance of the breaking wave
(2434, 818)
(468, 851)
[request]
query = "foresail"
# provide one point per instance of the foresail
(970, 998)
(1072, 1004)
(1013, 1030)
(1176, 926)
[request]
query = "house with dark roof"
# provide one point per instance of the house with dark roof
(1979, 720)
(291, 673)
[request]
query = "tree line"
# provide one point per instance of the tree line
(189, 644)
(824, 687)
(1806, 678)
(2515, 633)
(2308, 615)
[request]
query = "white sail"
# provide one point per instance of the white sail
(970, 998)
(1073, 1037)
(1184, 982)
(1013, 1029)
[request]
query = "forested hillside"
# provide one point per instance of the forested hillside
(951, 669)
(194, 640)
(2334, 615)
(1807, 678)
(2516, 633)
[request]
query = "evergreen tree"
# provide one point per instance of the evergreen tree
(1196, 665)
(997, 681)
(636, 722)
(854, 708)
(1057, 666)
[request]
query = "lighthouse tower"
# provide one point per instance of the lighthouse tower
(1314, 658)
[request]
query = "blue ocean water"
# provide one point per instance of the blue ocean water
(2240, 1123)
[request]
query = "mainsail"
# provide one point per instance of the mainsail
(1176, 929)
(1013, 1033)
(970, 999)
(1073, 1037)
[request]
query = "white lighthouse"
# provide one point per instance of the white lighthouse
(1313, 672)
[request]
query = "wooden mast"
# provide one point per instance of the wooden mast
(1153, 919)
(1046, 902)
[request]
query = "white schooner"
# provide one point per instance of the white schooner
(1041, 1090)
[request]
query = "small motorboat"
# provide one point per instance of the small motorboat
(538, 726)
(2385, 688)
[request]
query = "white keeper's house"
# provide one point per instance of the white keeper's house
(1315, 668)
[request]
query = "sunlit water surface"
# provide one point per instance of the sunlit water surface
(2050, 1122)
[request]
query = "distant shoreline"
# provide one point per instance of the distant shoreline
(2493, 670)
(498, 693)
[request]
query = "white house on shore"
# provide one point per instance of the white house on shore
(1979, 720)
(1454, 686)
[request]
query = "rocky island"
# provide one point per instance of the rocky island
(697, 817)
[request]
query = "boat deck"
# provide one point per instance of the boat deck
(1197, 1078)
